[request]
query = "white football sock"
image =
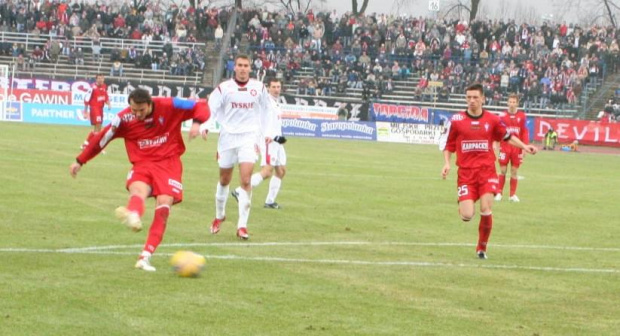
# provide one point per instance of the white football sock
(274, 188)
(221, 196)
(257, 178)
(245, 201)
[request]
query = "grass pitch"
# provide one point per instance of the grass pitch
(368, 243)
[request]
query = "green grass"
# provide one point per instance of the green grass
(396, 259)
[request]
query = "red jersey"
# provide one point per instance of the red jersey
(472, 139)
(516, 125)
(155, 138)
(97, 96)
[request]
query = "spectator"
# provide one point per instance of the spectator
(116, 69)
(219, 34)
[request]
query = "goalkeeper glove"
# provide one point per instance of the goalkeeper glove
(280, 139)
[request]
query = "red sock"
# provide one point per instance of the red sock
(136, 204)
(484, 231)
(502, 181)
(513, 186)
(156, 232)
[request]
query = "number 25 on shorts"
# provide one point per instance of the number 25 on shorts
(462, 190)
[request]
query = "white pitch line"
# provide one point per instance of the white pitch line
(349, 243)
(483, 264)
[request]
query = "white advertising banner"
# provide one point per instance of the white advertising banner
(422, 134)
(290, 111)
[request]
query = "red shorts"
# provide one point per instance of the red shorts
(510, 154)
(164, 177)
(96, 115)
(473, 183)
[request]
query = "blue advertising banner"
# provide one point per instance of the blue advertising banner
(60, 114)
(354, 130)
(441, 117)
(530, 123)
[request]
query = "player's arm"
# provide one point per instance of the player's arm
(87, 98)
(215, 105)
(267, 109)
(515, 141)
(98, 143)
(198, 111)
(447, 144)
(107, 99)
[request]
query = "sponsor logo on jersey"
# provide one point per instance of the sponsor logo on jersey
(154, 142)
(242, 105)
(475, 146)
(513, 130)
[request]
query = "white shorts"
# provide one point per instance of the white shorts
(245, 153)
(273, 155)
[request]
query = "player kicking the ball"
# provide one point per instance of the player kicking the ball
(471, 134)
(151, 128)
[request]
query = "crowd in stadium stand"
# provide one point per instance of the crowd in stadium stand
(548, 64)
(64, 21)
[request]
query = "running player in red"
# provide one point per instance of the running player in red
(471, 134)
(515, 122)
(96, 97)
(151, 128)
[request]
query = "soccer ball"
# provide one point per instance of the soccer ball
(187, 264)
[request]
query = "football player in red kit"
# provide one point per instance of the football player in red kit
(471, 134)
(151, 129)
(96, 97)
(515, 122)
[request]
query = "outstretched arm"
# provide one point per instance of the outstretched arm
(515, 141)
(446, 167)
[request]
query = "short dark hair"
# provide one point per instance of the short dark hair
(242, 56)
(273, 80)
(476, 87)
(140, 96)
(99, 75)
(514, 96)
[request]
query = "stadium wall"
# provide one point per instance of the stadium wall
(58, 102)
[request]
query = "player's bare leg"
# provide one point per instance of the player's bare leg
(274, 187)
(131, 214)
(486, 224)
(502, 181)
(244, 197)
(156, 232)
(514, 180)
(467, 210)
(221, 196)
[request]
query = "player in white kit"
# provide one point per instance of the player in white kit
(242, 107)
(272, 154)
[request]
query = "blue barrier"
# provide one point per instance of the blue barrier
(353, 130)
(60, 114)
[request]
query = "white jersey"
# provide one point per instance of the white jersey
(275, 120)
(243, 112)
